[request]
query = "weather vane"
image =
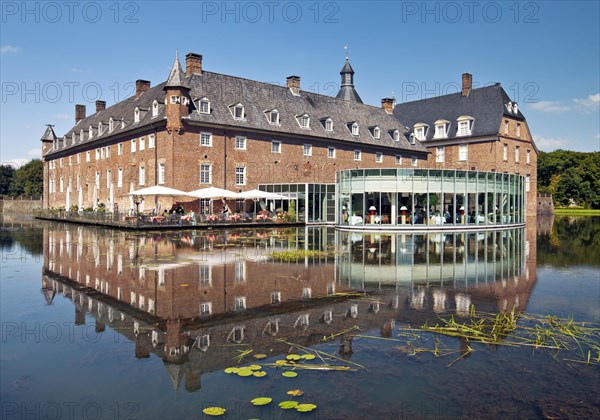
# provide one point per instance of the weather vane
(346, 48)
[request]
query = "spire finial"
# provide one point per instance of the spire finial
(346, 48)
(176, 53)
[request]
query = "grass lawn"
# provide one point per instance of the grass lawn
(569, 211)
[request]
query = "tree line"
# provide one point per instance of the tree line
(27, 180)
(573, 178)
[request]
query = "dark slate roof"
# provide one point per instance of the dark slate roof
(347, 68)
(176, 76)
(486, 105)
(49, 134)
(257, 98)
(223, 91)
(348, 93)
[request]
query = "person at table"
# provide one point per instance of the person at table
(225, 211)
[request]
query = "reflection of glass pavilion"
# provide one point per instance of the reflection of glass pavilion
(422, 198)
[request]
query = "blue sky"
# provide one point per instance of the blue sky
(546, 54)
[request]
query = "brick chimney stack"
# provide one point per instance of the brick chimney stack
(193, 64)
(100, 106)
(141, 86)
(293, 83)
(467, 84)
(79, 113)
(388, 105)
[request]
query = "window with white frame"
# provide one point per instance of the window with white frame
(204, 106)
(376, 133)
(240, 175)
(357, 155)
(307, 149)
(465, 126)
(154, 108)
(205, 274)
(81, 132)
(378, 157)
(206, 139)
(162, 173)
(463, 152)
(506, 127)
(413, 161)
(142, 143)
(111, 125)
(100, 128)
(61, 184)
(304, 121)
(240, 271)
(102, 153)
(142, 177)
(151, 141)
(354, 129)
(205, 173)
(276, 146)
(120, 178)
(517, 154)
(240, 303)
(527, 183)
(120, 149)
(328, 124)
(331, 152)
(528, 156)
(97, 180)
(238, 112)
(60, 162)
(205, 308)
(273, 117)
(107, 152)
(518, 130)
(505, 151)
(420, 131)
(133, 145)
(90, 132)
(440, 154)
(108, 178)
(205, 206)
(78, 182)
(441, 129)
(398, 160)
(240, 143)
(136, 115)
(96, 152)
(88, 156)
(396, 135)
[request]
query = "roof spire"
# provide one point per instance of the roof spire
(49, 134)
(176, 76)
(347, 91)
(346, 48)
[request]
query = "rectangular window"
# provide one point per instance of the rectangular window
(331, 152)
(120, 149)
(205, 272)
(518, 130)
(528, 156)
(274, 117)
(205, 308)
(464, 128)
(102, 153)
(413, 161)
(69, 160)
(120, 178)
(240, 271)
(162, 173)
(398, 160)
(108, 152)
(238, 112)
(97, 154)
(328, 125)
(142, 175)
(205, 173)
(527, 183)
(204, 107)
(151, 140)
(142, 143)
(420, 133)
(505, 152)
(240, 175)
(276, 146)
(78, 182)
(506, 127)
(205, 206)
(275, 297)
(78, 158)
(307, 150)
(357, 155)
(108, 178)
(517, 157)
(440, 131)
(133, 145)
(206, 139)
(61, 184)
(240, 143)
(240, 303)
(440, 155)
(378, 157)
(463, 152)
(97, 180)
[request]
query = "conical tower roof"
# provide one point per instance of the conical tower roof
(49, 134)
(347, 91)
(176, 76)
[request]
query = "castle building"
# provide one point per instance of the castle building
(199, 129)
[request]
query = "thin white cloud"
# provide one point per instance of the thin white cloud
(15, 163)
(549, 143)
(35, 153)
(8, 49)
(62, 116)
(549, 106)
(591, 103)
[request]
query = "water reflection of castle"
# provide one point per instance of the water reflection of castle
(182, 296)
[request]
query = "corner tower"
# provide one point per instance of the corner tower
(347, 91)
(177, 100)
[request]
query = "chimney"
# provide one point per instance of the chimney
(293, 83)
(193, 64)
(141, 86)
(388, 105)
(467, 84)
(79, 113)
(100, 106)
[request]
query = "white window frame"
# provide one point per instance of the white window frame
(527, 183)
(517, 154)
(96, 155)
(205, 308)
(331, 152)
(238, 115)
(120, 149)
(376, 133)
(120, 178)
(275, 143)
(270, 115)
(100, 128)
(204, 106)
(506, 127)
(162, 173)
(420, 131)
(88, 156)
(151, 141)
(465, 126)
(354, 129)
(378, 157)
(518, 130)
(441, 130)
(240, 143)
(396, 135)
(505, 151)
(307, 149)
(154, 108)
(304, 121)
(108, 177)
(136, 115)
(414, 161)
(142, 143)
(240, 303)
(107, 152)
(133, 145)
(78, 158)
(440, 154)
(328, 124)
(240, 171)
(205, 139)
(142, 175)
(111, 124)
(357, 155)
(90, 133)
(398, 159)
(206, 169)
(528, 157)
(463, 152)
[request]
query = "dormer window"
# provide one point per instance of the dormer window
(396, 135)
(111, 125)
(354, 129)
(376, 133)
(237, 111)
(304, 121)
(509, 106)
(515, 108)
(441, 129)
(122, 123)
(421, 131)
(91, 132)
(136, 115)
(81, 135)
(328, 124)
(465, 126)
(273, 117)
(204, 107)
(100, 128)
(154, 108)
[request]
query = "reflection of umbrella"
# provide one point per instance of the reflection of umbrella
(80, 198)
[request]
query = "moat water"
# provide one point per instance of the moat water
(99, 323)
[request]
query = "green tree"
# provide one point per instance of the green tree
(6, 175)
(28, 179)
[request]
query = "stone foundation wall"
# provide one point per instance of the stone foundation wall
(20, 206)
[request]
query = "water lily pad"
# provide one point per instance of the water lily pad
(255, 367)
(245, 372)
(261, 401)
(293, 357)
(308, 356)
(214, 411)
(286, 405)
(295, 392)
(305, 408)
(280, 362)
(289, 374)
(260, 373)
(232, 370)
(260, 356)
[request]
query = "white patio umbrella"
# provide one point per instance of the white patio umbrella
(68, 198)
(211, 193)
(156, 191)
(258, 194)
(80, 198)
